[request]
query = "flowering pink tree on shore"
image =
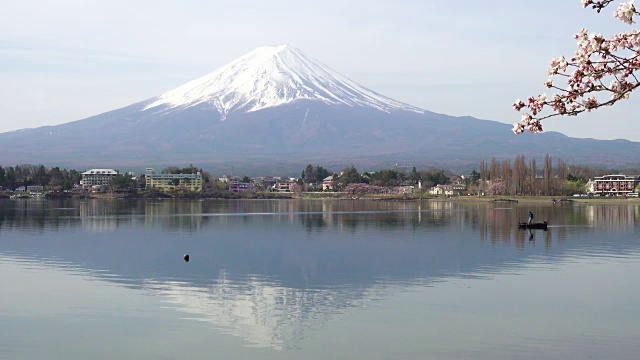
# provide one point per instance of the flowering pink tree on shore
(601, 73)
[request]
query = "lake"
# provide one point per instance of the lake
(317, 279)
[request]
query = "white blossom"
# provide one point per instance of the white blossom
(625, 12)
(518, 128)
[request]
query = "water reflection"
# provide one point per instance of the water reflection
(260, 311)
(272, 271)
(495, 221)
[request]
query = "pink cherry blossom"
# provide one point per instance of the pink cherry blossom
(518, 128)
(600, 66)
(518, 104)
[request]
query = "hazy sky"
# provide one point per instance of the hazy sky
(66, 60)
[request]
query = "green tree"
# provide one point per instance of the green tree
(307, 174)
(55, 178)
(221, 185)
(475, 176)
(22, 175)
(191, 169)
(387, 177)
(170, 170)
(3, 180)
(10, 178)
(122, 182)
(435, 178)
(350, 176)
(314, 174)
(573, 187)
(571, 177)
(41, 176)
(414, 176)
(73, 178)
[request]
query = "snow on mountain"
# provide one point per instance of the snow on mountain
(270, 76)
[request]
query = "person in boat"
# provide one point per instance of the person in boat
(530, 217)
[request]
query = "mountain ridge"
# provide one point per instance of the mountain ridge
(275, 108)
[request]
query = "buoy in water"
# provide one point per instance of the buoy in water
(186, 257)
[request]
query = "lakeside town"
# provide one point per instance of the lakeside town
(493, 179)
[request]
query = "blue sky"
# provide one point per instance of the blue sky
(70, 59)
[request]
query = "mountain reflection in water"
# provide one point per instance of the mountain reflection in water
(270, 271)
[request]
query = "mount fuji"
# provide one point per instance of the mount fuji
(272, 76)
(275, 109)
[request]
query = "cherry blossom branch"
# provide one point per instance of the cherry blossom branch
(597, 5)
(595, 61)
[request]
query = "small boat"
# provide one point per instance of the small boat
(524, 225)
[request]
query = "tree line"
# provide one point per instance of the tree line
(314, 175)
(505, 177)
(55, 178)
(529, 178)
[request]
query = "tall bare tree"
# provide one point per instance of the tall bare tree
(546, 175)
(494, 170)
(561, 169)
(505, 175)
(533, 173)
(483, 176)
(519, 175)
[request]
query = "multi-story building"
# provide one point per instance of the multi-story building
(191, 182)
(448, 190)
(615, 185)
(327, 183)
(237, 186)
(97, 177)
(285, 186)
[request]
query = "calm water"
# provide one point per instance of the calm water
(321, 279)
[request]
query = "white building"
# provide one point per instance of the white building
(327, 183)
(615, 185)
(97, 177)
(448, 190)
(285, 186)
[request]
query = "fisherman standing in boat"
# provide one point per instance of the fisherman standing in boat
(530, 217)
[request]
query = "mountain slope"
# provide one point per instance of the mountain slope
(275, 109)
(272, 76)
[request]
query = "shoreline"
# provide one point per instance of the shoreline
(337, 196)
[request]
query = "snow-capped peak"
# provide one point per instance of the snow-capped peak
(270, 76)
